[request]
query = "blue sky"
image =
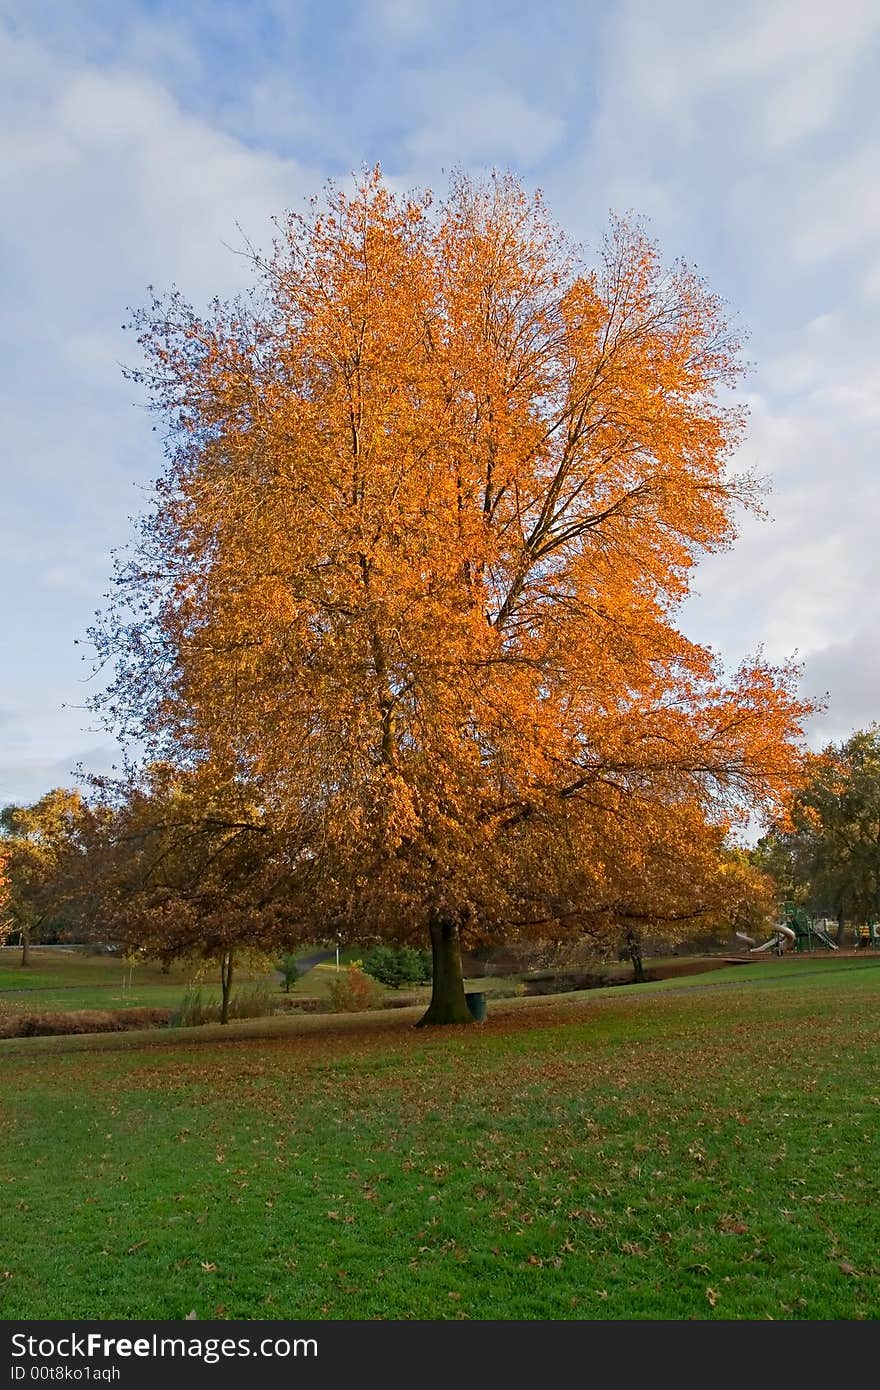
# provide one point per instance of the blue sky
(136, 138)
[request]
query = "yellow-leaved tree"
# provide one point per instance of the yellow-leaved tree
(434, 492)
(37, 843)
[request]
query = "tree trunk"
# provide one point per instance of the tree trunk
(225, 984)
(634, 951)
(840, 928)
(448, 1002)
(25, 946)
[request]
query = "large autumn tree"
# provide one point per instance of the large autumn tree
(434, 493)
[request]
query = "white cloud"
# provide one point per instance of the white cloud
(404, 20)
(802, 584)
(801, 103)
(107, 185)
(841, 208)
(25, 779)
(750, 137)
(849, 672)
(764, 37)
(468, 118)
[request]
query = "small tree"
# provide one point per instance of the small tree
(288, 970)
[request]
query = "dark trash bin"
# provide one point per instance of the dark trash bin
(477, 1005)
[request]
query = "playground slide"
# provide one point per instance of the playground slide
(783, 934)
(821, 935)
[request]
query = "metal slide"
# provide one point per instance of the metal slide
(821, 935)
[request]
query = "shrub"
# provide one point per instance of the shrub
(382, 964)
(417, 965)
(351, 991)
(398, 965)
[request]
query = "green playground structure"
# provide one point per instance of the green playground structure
(798, 930)
(805, 929)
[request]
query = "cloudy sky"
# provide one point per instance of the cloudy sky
(139, 136)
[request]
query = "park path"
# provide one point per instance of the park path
(306, 963)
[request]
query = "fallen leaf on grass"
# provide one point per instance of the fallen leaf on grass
(730, 1227)
(208, 1267)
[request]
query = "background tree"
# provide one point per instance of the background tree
(671, 874)
(37, 841)
(828, 853)
(181, 866)
(434, 493)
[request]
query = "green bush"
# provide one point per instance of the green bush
(398, 965)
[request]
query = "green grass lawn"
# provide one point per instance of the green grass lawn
(664, 1152)
(63, 980)
(56, 968)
